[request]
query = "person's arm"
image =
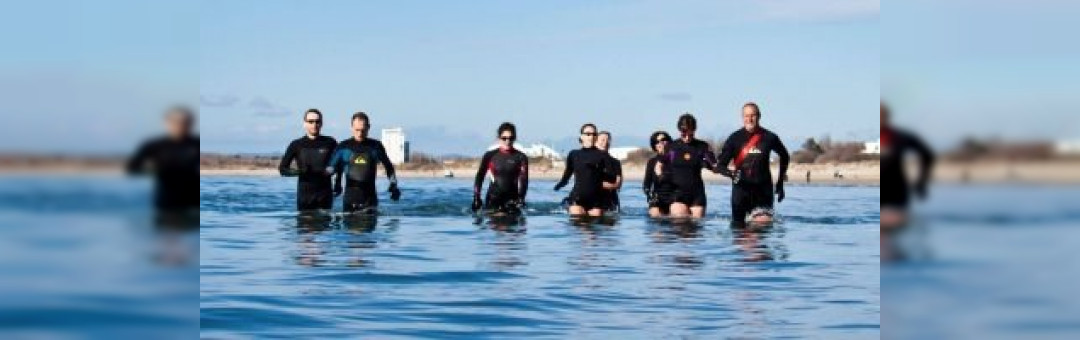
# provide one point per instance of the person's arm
(726, 154)
(785, 159)
(387, 165)
(708, 159)
(478, 185)
(337, 165)
(926, 164)
(650, 177)
(616, 169)
(286, 161)
(566, 172)
(523, 177)
(136, 165)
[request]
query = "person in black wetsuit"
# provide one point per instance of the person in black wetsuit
(659, 190)
(312, 154)
(896, 190)
(684, 160)
(173, 160)
(748, 150)
(509, 172)
(587, 167)
(612, 173)
(357, 158)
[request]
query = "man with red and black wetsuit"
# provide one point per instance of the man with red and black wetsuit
(748, 150)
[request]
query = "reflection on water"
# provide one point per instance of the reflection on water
(434, 270)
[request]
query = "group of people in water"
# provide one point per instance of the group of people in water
(673, 182)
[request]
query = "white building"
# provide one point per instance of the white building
(1067, 147)
(534, 150)
(872, 147)
(622, 152)
(397, 147)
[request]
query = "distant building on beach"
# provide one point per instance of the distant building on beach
(622, 152)
(534, 150)
(873, 148)
(397, 146)
(1067, 147)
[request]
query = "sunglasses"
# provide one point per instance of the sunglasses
(506, 139)
(662, 140)
(590, 134)
(314, 121)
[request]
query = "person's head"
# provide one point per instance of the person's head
(507, 134)
(658, 141)
(588, 135)
(179, 121)
(360, 125)
(313, 122)
(687, 126)
(751, 116)
(885, 113)
(603, 140)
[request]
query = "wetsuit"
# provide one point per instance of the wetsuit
(587, 167)
(659, 190)
(612, 171)
(684, 161)
(754, 185)
(312, 157)
(174, 164)
(357, 161)
(895, 190)
(509, 171)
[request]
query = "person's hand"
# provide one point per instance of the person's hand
(476, 203)
(559, 186)
(518, 203)
(779, 192)
(653, 200)
(395, 193)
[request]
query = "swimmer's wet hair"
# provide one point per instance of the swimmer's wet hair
(315, 111)
(652, 139)
(754, 105)
(361, 116)
(687, 122)
(507, 126)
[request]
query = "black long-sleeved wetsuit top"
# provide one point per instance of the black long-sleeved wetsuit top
(754, 189)
(509, 171)
(312, 156)
(174, 163)
(895, 144)
(357, 160)
(654, 183)
(684, 161)
(587, 166)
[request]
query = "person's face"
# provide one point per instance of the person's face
(750, 118)
(506, 140)
(178, 124)
(359, 129)
(312, 123)
(687, 132)
(661, 143)
(602, 142)
(588, 137)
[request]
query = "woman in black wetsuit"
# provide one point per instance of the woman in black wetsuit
(659, 190)
(508, 170)
(587, 166)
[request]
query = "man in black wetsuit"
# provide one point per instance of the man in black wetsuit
(357, 158)
(312, 154)
(683, 161)
(612, 173)
(587, 167)
(659, 190)
(748, 150)
(896, 191)
(173, 160)
(509, 171)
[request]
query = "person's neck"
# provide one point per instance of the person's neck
(752, 129)
(360, 139)
(312, 136)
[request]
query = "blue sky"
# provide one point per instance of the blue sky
(451, 71)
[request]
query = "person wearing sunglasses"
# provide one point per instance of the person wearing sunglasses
(508, 170)
(312, 153)
(748, 150)
(357, 158)
(586, 165)
(659, 190)
(684, 159)
(612, 173)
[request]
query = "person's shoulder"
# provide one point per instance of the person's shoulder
(326, 139)
(518, 153)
